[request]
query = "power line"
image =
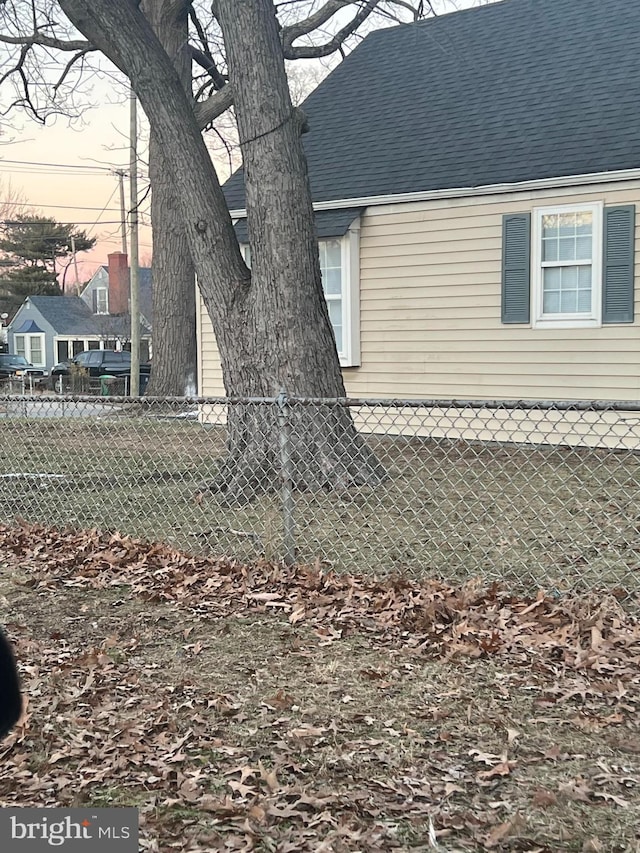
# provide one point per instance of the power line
(57, 206)
(115, 189)
(59, 165)
(11, 223)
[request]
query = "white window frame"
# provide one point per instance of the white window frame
(350, 250)
(349, 356)
(26, 348)
(567, 321)
(105, 292)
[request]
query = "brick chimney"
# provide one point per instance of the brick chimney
(118, 283)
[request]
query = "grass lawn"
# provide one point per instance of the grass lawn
(253, 707)
(536, 517)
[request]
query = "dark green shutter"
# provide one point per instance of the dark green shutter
(516, 267)
(618, 265)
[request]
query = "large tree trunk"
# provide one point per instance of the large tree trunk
(271, 326)
(289, 343)
(174, 303)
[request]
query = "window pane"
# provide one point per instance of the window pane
(567, 249)
(569, 290)
(584, 278)
(584, 290)
(333, 254)
(36, 349)
(583, 248)
(551, 290)
(78, 347)
(62, 350)
(19, 344)
(550, 225)
(550, 250)
(332, 282)
(584, 301)
(567, 224)
(584, 222)
(335, 315)
(569, 278)
(552, 278)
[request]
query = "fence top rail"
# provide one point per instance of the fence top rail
(346, 402)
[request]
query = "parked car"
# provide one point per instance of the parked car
(100, 362)
(17, 366)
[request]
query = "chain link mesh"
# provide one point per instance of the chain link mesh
(535, 495)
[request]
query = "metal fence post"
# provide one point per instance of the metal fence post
(286, 474)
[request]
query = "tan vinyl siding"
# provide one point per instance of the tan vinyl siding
(430, 310)
(209, 370)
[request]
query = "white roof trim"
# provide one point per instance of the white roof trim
(462, 192)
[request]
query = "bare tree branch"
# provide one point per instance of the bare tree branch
(302, 28)
(38, 38)
(206, 61)
(218, 103)
(316, 51)
(75, 58)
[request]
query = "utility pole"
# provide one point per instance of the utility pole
(134, 261)
(123, 211)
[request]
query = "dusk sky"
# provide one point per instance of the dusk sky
(87, 191)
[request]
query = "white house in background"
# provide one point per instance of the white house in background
(475, 178)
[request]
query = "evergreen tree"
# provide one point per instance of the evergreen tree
(31, 247)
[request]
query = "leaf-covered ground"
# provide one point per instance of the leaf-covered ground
(274, 709)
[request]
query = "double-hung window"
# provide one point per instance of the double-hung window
(569, 266)
(31, 346)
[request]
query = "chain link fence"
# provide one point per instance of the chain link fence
(532, 494)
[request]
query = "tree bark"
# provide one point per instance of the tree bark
(174, 303)
(271, 326)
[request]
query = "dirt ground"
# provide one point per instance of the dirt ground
(256, 707)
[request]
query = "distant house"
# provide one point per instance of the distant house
(475, 178)
(107, 292)
(49, 329)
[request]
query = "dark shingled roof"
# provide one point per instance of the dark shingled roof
(514, 91)
(68, 315)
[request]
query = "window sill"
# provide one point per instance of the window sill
(566, 323)
(347, 363)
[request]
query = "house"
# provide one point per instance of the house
(50, 329)
(475, 178)
(107, 292)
